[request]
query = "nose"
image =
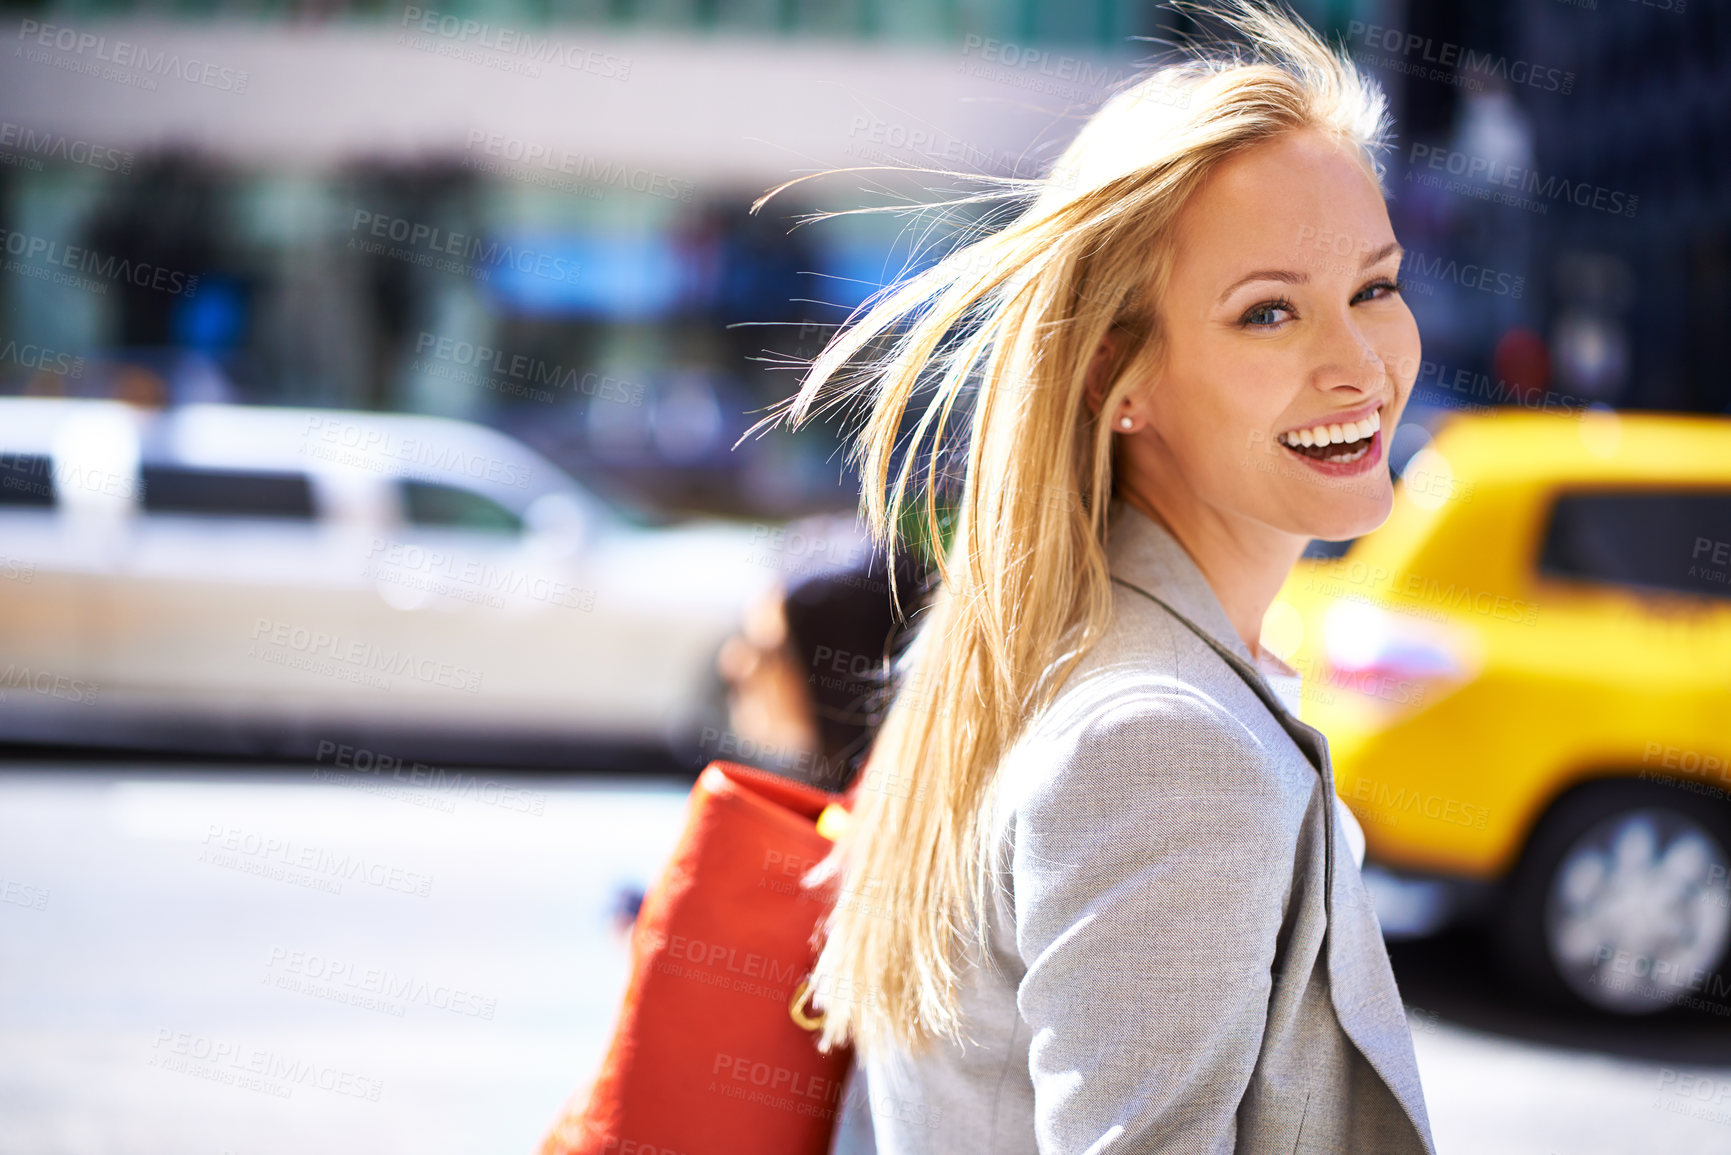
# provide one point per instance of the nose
(1345, 359)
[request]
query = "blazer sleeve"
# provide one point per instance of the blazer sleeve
(1150, 875)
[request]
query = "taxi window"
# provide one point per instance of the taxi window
(1328, 550)
(1672, 540)
(428, 503)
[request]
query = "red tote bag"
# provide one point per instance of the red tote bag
(707, 1057)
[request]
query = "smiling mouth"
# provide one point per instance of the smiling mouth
(1336, 444)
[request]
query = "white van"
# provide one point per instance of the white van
(266, 580)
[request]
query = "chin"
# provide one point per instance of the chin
(1339, 520)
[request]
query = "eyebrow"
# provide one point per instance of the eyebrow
(1288, 277)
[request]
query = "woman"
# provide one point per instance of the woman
(804, 674)
(1114, 911)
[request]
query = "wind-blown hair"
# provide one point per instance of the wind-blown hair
(987, 354)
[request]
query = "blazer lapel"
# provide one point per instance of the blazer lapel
(1145, 557)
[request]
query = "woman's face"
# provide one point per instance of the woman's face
(1287, 354)
(768, 701)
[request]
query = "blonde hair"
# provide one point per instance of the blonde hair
(988, 352)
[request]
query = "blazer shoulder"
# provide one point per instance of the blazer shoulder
(1122, 740)
(1151, 721)
(1150, 684)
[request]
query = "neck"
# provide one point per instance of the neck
(1244, 562)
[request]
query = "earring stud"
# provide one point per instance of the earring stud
(1125, 423)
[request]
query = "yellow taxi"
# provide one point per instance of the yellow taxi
(1525, 679)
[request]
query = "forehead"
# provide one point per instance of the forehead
(1281, 203)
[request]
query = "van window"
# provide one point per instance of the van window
(447, 506)
(178, 489)
(26, 480)
(1646, 539)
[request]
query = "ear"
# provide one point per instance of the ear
(1105, 356)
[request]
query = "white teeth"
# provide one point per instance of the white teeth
(1335, 434)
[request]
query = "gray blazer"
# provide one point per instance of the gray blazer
(1184, 957)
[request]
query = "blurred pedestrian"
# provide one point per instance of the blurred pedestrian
(808, 673)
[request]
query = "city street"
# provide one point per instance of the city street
(219, 961)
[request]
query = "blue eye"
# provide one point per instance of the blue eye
(1377, 290)
(1263, 315)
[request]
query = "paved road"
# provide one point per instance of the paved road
(242, 962)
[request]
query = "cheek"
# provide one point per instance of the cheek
(1397, 342)
(1216, 439)
(1198, 425)
(1226, 389)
